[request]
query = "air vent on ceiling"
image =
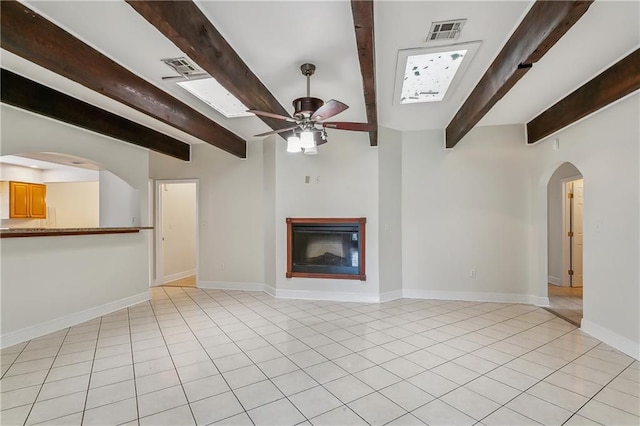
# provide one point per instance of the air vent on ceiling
(445, 30)
(182, 66)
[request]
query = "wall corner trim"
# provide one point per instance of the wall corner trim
(611, 338)
(34, 331)
(391, 295)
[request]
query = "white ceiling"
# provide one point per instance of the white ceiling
(275, 37)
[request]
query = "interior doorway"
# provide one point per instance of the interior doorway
(565, 204)
(176, 233)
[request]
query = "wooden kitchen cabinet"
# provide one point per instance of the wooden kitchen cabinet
(27, 200)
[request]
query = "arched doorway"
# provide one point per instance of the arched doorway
(565, 207)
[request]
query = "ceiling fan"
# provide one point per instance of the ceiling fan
(309, 115)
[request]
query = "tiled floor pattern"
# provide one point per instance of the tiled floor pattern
(214, 357)
(566, 302)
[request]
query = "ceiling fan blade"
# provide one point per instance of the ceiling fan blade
(272, 115)
(273, 132)
(329, 109)
(345, 125)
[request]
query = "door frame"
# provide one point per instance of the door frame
(566, 281)
(159, 260)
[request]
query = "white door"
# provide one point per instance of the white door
(576, 241)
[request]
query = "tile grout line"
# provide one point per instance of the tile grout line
(45, 377)
(533, 325)
(451, 360)
(318, 384)
(14, 361)
(244, 353)
(172, 362)
(249, 310)
(133, 367)
(377, 364)
(596, 394)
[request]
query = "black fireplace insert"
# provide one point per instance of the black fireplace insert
(326, 248)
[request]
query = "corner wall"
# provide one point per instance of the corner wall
(465, 216)
(390, 208)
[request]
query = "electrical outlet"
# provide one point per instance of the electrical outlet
(472, 273)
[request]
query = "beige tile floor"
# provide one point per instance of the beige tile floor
(566, 302)
(193, 356)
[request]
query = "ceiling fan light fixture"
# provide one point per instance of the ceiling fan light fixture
(293, 144)
(307, 140)
(311, 150)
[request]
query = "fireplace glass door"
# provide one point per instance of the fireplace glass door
(326, 249)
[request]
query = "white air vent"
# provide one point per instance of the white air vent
(445, 30)
(182, 66)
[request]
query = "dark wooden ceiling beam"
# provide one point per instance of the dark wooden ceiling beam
(614, 83)
(31, 96)
(190, 30)
(365, 38)
(545, 23)
(31, 36)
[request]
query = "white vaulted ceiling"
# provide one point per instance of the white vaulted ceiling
(275, 37)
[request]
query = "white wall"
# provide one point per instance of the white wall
(70, 174)
(555, 219)
(269, 209)
(119, 202)
(230, 207)
(343, 183)
(466, 209)
(73, 204)
(604, 147)
(178, 230)
(390, 207)
(20, 173)
(68, 279)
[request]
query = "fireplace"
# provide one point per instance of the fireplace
(326, 248)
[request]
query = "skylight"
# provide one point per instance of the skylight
(427, 77)
(213, 94)
(428, 74)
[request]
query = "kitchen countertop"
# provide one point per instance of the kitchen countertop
(52, 232)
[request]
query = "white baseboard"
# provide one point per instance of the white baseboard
(377, 298)
(222, 285)
(38, 330)
(333, 296)
(473, 296)
(178, 276)
(612, 339)
(554, 280)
